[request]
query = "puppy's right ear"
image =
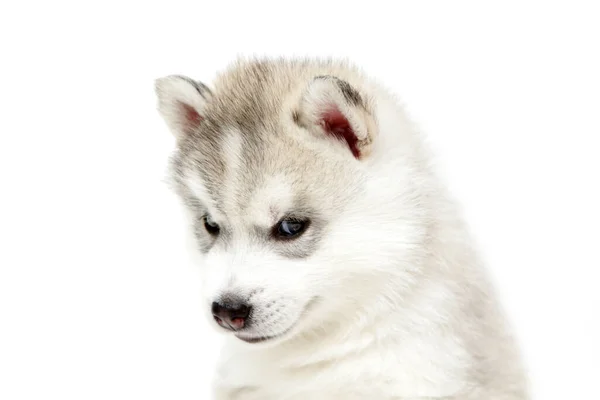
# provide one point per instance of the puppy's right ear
(181, 102)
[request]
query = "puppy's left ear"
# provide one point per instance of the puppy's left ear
(181, 102)
(332, 108)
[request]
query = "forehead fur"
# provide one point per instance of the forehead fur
(249, 133)
(251, 93)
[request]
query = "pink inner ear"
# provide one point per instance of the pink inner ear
(192, 117)
(336, 124)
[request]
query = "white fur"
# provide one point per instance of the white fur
(404, 308)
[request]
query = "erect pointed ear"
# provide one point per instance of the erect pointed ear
(332, 107)
(181, 102)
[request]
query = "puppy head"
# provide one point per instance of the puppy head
(300, 207)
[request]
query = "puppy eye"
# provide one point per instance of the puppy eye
(211, 226)
(290, 228)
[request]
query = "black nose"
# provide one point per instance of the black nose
(232, 316)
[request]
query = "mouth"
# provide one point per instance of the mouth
(261, 339)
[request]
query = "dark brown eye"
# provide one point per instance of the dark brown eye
(211, 226)
(290, 228)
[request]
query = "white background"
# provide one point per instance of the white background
(98, 298)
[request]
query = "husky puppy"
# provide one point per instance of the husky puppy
(333, 259)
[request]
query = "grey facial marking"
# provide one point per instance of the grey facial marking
(189, 160)
(207, 241)
(308, 243)
(302, 247)
(204, 239)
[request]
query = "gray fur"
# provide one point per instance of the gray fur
(350, 94)
(249, 99)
